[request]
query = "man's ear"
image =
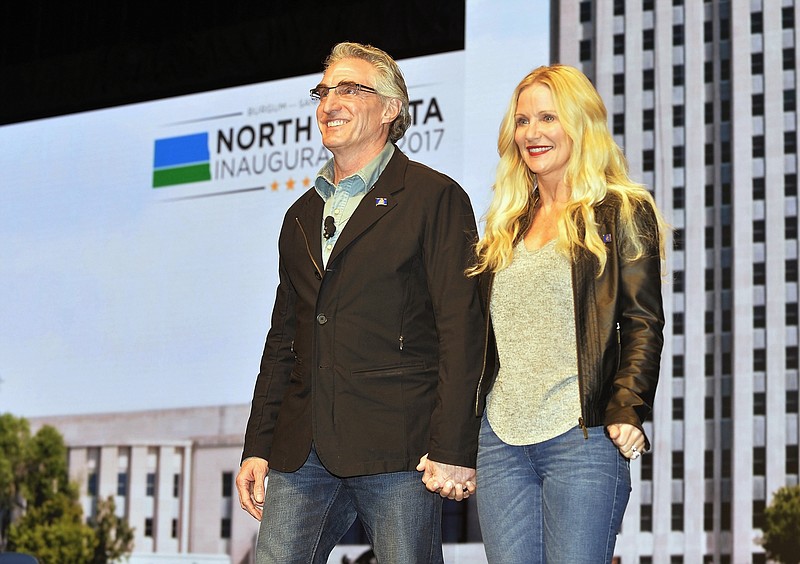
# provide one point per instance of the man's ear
(392, 110)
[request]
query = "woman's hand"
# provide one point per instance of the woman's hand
(628, 439)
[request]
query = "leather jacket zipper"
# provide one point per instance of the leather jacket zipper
(485, 347)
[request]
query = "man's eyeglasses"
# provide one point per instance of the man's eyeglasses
(344, 89)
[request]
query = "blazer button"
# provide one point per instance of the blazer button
(322, 319)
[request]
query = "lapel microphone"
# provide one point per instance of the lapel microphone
(330, 227)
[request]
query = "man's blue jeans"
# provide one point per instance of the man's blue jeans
(560, 501)
(306, 513)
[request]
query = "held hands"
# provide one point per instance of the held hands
(250, 484)
(628, 439)
(448, 480)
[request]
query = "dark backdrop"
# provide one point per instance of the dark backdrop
(65, 57)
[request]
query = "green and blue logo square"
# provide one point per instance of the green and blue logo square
(179, 160)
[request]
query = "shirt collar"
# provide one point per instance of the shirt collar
(356, 184)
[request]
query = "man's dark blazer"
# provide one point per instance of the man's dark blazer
(376, 357)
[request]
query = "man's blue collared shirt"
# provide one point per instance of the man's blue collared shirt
(342, 199)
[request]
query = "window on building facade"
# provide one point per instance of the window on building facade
(758, 146)
(758, 513)
(756, 22)
(789, 100)
(787, 17)
(648, 119)
(790, 270)
(619, 84)
(227, 484)
(790, 227)
(677, 366)
(708, 31)
(788, 58)
(677, 323)
(585, 11)
(759, 232)
(91, 484)
(789, 142)
(708, 516)
(648, 79)
(677, 465)
(646, 517)
(676, 559)
(759, 191)
(725, 114)
(725, 74)
(709, 357)
(757, 63)
(176, 485)
(648, 39)
(757, 105)
(677, 35)
(225, 528)
(677, 238)
(678, 197)
(677, 409)
(709, 231)
(759, 360)
(646, 470)
(708, 72)
(726, 403)
(150, 488)
(759, 273)
(709, 276)
(148, 526)
(759, 461)
(676, 522)
(619, 44)
(619, 7)
(122, 484)
(709, 154)
(725, 518)
(759, 316)
(790, 185)
(792, 459)
(678, 156)
(678, 75)
(677, 279)
(678, 115)
(791, 401)
(725, 465)
(174, 531)
(792, 358)
(726, 243)
(759, 403)
(619, 124)
(648, 159)
(585, 50)
(708, 115)
(708, 455)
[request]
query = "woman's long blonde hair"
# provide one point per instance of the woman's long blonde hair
(596, 168)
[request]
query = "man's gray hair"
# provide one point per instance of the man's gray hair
(389, 84)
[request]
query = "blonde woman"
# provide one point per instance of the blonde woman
(570, 265)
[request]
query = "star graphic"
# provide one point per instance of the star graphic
(290, 184)
(306, 182)
(274, 186)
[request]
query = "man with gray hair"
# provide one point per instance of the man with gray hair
(364, 403)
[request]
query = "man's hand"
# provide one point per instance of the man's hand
(448, 480)
(250, 483)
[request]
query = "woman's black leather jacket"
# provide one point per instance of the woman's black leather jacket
(619, 321)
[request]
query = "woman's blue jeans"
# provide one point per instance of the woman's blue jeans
(306, 513)
(560, 501)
